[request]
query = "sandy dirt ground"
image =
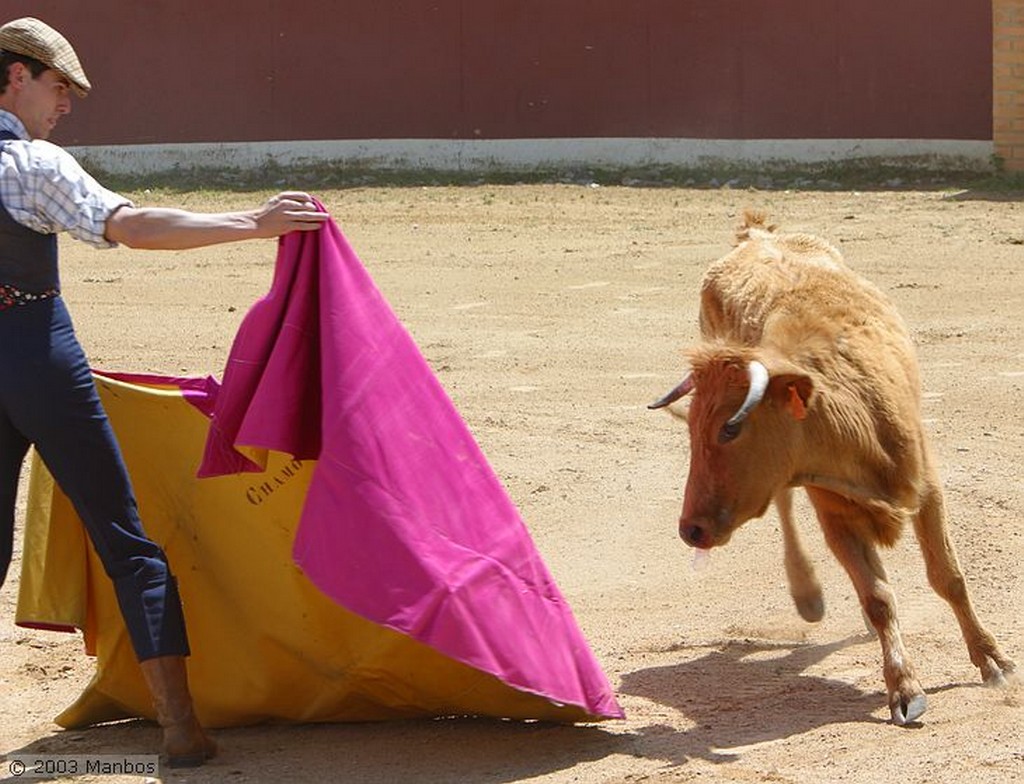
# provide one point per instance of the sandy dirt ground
(553, 314)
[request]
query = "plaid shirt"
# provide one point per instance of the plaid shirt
(45, 189)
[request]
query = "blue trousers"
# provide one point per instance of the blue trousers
(48, 400)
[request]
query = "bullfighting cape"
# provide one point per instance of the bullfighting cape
(343, 549)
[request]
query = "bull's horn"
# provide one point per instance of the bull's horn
(683, 389)
(758, 385)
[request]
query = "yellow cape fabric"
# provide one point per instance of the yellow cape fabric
(267, 645)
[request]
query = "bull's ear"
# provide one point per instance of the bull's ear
(792, 391)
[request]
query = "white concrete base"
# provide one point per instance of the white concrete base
(524, 154)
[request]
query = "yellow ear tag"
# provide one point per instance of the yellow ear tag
(796, 403)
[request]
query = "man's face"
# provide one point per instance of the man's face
(41, 101)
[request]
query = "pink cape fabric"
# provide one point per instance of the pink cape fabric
(404, 523)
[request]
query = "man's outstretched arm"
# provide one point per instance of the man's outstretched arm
(163, 228)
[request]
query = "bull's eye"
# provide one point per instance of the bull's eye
(729, 431)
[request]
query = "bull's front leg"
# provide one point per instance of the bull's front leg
(803, 583)
(847, 531)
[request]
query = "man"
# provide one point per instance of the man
(47, 396)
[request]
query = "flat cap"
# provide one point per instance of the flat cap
(29, 36)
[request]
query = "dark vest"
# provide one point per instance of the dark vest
(28, 259)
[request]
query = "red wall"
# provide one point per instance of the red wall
(198, 70)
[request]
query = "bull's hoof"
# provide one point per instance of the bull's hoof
(906, 712)
(811, 607)
(995, 678)
(998, 671)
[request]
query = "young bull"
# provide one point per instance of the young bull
(808, 378)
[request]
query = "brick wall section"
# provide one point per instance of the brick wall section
(1008, 82)
(530, 69)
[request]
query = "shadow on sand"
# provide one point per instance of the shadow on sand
(745, 693)
(739, 694)
(441, 750)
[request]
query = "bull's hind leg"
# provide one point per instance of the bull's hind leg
(946, 578)
(848, 530)
(803, 583)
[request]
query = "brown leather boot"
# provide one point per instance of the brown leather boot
(185, 744)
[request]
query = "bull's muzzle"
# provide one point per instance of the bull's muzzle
(696, 533)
